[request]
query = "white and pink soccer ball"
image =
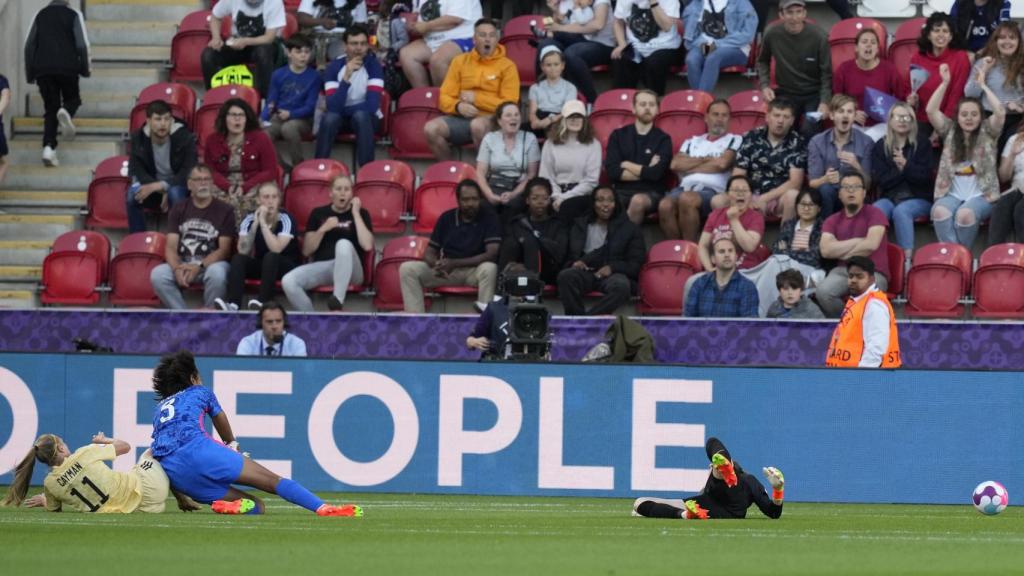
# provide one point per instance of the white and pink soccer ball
(990, 498)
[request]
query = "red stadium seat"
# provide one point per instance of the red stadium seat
(206, 116)
(448, 171)
(940, 276)
(187, 46)
(748, 109)
(386, 281)
(385, 121)
(292, 5)
(613, 109)
(436, 193)
(897, 272)
(310, 187)
(516, 37)
(904, 44)
(999, 283)
(181, 98)
(842, 38)
(107, 194)
(681, 115)
(75, 268)
(385, 188)
(137, 255)
(669, 264)
(291, 25)
(415, 108)
(369, 259)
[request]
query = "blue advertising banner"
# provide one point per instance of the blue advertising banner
(553, 429)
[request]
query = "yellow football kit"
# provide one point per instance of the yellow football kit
(84, 482)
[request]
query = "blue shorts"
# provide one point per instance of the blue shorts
(466, 44)
(204, 469)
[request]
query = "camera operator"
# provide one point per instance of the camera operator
(270, 338)
(514, 327)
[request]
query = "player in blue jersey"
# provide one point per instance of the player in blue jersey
(203, 468)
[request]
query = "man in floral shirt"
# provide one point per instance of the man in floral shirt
(774, 158)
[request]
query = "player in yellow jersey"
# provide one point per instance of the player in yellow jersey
(83, 481)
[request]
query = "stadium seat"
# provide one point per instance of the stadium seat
(904, 44)
(206, 115)
(669, 264)
(137, 255)
(436, 193)
(187, 46)
(75, 268)
(897, 272)
(105, 200)
(681, 115)
(310, 187)
(383, 131)
(291, 24)
(748, 109)
(369, 261)
(613, 109)
(999, 283)
(415, 108)
(842, 38)
(387, 288)
(889, 8)
(385, 189)
(181, 98)
(516, 37)
(939, 277)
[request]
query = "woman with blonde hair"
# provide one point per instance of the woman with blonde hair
(82, 481)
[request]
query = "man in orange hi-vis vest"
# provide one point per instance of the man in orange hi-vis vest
(866, 335)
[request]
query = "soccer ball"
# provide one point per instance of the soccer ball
(990, 498)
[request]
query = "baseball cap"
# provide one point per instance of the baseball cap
(573, 107)
(783, 4)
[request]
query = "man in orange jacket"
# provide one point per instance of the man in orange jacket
(866, 335)
(476, 83)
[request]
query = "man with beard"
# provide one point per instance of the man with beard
(837, 151)
(638, 158)
(866, 335)
(199, 237)
(163, 153)
(774, 158)
(857, 230)
(463, 251)
(476, 84)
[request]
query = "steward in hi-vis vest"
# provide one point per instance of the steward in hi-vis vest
(866, 335)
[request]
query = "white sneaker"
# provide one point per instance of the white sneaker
(67, 125)
(50, 157)
(254, 304)
(480, 306)
(225, 306)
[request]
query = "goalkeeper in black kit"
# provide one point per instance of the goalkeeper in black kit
(728, 493)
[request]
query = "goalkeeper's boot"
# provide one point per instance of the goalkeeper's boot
(348, 510)
(693, 511)
(775, 478)
(725, 468)
(240, 506)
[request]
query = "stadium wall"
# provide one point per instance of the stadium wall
(925, 344)
(554, 429)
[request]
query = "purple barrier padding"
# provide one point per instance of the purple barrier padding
(948, 346)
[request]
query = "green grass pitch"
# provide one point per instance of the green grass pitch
(416, 534)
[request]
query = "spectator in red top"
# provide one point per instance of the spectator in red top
(857, 230)
(242, 156)
(738, 221)
(868, 70)
(937, 46)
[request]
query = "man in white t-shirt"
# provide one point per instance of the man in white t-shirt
(329, 19)
(254, 27)
(647, 43)
(446, 27)
(703, 165)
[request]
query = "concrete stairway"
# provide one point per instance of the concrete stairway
(131, 42)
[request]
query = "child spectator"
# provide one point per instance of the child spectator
(56, 54)
(288, 113)
(547, 96)
(5, 100)
(584, 44)
(792, 303)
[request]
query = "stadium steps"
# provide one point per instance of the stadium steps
(36, 226)
(94, 105)
(21, 201)
(35, 176)
(116, 127)
(24, 252)
(81, 151)
(118, 31)
(20, 274)
(17, 298)
(154, 55)
(140, 10)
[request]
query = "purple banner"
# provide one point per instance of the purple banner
(937, 345)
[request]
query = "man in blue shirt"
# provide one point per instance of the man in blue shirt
(291, 102)
(463, 251)
(353, 84)
(726, 293)
(271, 338)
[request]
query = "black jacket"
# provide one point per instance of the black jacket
(142, 166)
(552, 235)
(623, 250)
(917, 177)
(624, 144)
(57, 43)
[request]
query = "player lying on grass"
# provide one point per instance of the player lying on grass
(84, 482)
(204, 468)
(727, 494)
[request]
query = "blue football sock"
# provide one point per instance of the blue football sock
(295, 493)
